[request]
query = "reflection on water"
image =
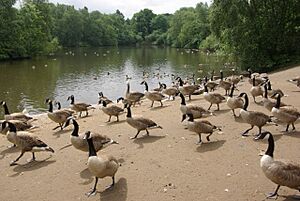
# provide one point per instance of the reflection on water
(84, 72)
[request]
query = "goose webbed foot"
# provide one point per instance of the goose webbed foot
(199, 142)
(13, 163)
(272, 195)
(93, 192)
(132, 138)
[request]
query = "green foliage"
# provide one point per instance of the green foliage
(141, 22)
(189, 27)
(261, 33)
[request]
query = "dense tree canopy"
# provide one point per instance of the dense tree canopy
(261, 33)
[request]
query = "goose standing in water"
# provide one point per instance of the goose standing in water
(25, 141)
(139, 123)
(253, 118)
(100, 166)
(100, 141)
(79, 107)
(14, 116)
(285, 114)
(152, 95)
(280, 172)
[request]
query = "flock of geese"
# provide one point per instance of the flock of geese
(17, 126)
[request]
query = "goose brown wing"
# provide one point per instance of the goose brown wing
(290, 110)
(29, 141)
(285, 173)
(145, 121)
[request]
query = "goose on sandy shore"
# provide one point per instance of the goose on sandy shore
(104, 98)
(213, 98)
(111, 110)
(197, 111)
(281, 173)
(234, 102)
(100, 166)
(285, 114)
(253, 118)
(139, 123)
(133, 97)
(256, 90)
(58, 116)
(170, 91)
(100, 141)
(14, 116)
(153, 95)
(186, 89)
(25, 141)
(200, 127)
(224, 84)
(79, 107)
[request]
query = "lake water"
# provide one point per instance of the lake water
(83, 72)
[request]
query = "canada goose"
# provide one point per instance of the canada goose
(139, 123)
(259, 79)
(256, 90)
(285, 114)
(57, 103)
(234, 79)
(234, 102)
(159, 88)
(211, 84)
(25, 141)
(101, 166)
(272, 92)
(100, 141)
(170, 91)
(212, 98)
(253, 118)
(111, 110)
(224, 84)
(197, 111)
(58, 116)
(133, 97)
(186, 89)
(79, 107)
(268, 104)
(152, 95)
(104, 98)
(14, 116)
(200, 127)
(20, 125)
(281, 173)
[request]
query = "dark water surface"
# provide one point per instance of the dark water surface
(84, 72)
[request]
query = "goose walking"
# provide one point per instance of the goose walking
(153, 95)
(197, 111)
(100, 166)
(170, 91)
(234, 102)
(139, 123)
(253, 118)
(100, 141)
(14, 116)
(58, 116)
(285, 114)
(256, 90)
(279, 172)
(133, 97)
(79, 107)
(213, 98)
(200, 127)
(186, 89)
(111, 110)
(25, 141)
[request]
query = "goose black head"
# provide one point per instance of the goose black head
(69, 121)
(263, 135)
(100, 94)
(47, 100)
(191, 117)
(120, 99)
(2, 103)
(242, 94)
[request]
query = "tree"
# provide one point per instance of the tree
(261, 33)
(141, 22)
